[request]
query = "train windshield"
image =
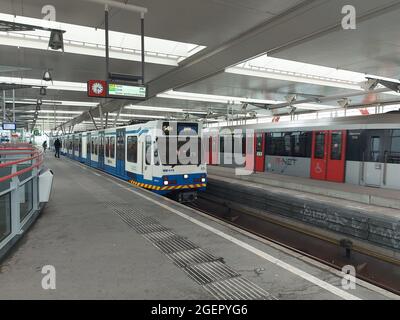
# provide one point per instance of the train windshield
(179, 150)
(179, 144)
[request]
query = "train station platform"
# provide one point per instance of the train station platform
(368, 217)
(381, 197)
(108, 239)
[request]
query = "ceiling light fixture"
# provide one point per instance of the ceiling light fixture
(47, 76)
(56, 41)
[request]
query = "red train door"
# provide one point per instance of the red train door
(328, 155)
(259, 152)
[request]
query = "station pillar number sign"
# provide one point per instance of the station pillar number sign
(36, 132)
(97, 88)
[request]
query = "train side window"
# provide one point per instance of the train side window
(148, 150)
(107, 147)
(95, 146)
(244, 144)
(287, 144)
(319, 152)
(336, 146)
(354, 145)
(131, 148)
(259, 143)
(112, 147)
(375, 144)
(394, 154)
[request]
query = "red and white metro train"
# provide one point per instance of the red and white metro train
(363, 150)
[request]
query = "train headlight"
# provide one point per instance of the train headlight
(165, 183)
(203, 179)
(186, 176)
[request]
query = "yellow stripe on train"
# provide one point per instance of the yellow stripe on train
(154, 187)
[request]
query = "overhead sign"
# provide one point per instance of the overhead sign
(9, 126)
(126, 91)
(97, 88)
(112, 89)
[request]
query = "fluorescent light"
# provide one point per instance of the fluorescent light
(55, 85)
(162, 109)
(171, 94)
(314, 106)
(234, 100)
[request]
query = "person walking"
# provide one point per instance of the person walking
(57, 146)
(44, 145)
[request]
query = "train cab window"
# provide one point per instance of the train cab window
(148, 150)
(375, 145)
(112, 147)
(319, 152)
(131, 149)
(336, 146)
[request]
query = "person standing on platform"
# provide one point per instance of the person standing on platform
(57, 146)
(44, 145)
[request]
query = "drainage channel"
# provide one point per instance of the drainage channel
(368, 268)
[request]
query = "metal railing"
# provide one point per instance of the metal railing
(20, 167)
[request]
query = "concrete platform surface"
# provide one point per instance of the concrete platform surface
(109, 240)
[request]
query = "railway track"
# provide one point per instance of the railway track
(384, 274)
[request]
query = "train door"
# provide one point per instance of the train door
(146, 159)
(328, 155)
(373, 156)
(120, 152)
(259, 159)
(101, 150)
(336, 156)
(88, 148)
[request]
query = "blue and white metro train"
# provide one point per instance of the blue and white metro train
(138, 154)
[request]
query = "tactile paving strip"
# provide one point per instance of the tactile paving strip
(220, 280)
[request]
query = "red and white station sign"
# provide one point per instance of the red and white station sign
(97, 88)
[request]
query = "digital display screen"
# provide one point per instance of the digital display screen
(126, 91)
(187, 128)
(9, 126)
